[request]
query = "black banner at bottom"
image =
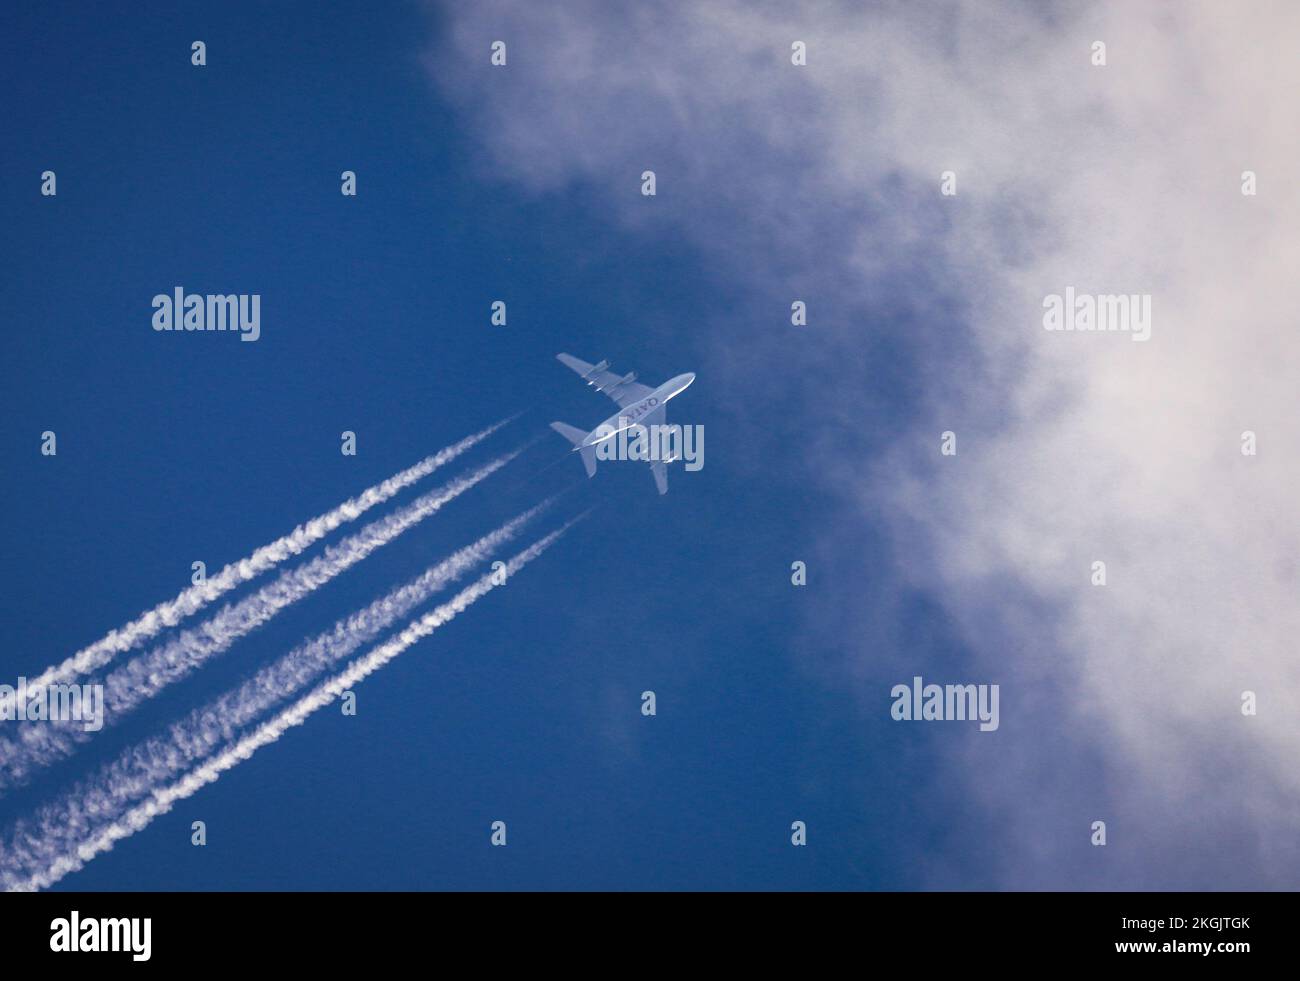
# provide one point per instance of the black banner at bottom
(171, 931)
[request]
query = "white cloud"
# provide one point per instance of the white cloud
(1071, 447)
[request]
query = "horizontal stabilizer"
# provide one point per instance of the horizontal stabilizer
(576, 436)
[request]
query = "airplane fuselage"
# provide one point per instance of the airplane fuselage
(631, 414)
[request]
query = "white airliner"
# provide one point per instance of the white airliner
(639, 405)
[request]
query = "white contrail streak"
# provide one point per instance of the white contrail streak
(190, 601)
(56, 858)
(91, 803)
(146, 675)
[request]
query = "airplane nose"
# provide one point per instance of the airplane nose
(677, 384)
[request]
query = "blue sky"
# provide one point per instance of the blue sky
(477, 184)
(175, 448)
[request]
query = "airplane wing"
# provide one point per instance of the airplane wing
(623, 389)
(658, 417)
(661, 476)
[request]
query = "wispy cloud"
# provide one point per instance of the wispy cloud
(1071, 447)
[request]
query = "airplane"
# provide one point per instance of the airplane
(639, 405)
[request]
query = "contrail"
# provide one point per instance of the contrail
(57, 849)
(190, 601)
(146, 675)
(143, 767)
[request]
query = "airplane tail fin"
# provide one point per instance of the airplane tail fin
(576, 436)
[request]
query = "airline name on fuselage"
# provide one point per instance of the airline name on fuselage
(642, 407)
(624, 419)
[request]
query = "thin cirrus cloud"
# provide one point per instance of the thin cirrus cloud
(1120, 703)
